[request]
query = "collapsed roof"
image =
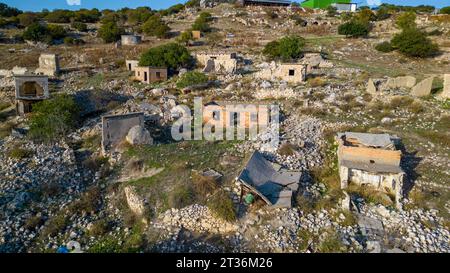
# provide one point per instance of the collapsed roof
(274, 187)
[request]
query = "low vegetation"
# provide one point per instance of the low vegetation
(288, 48)
(172, 56)
(52, 119)
(192, 78)
(222, 206)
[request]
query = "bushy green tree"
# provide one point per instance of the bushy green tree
(445, 10)
(354, 29)
(192, 78)
(406, 20)
(56, 31)
(59, 16)
(384, 47)
(286, 49)
(87, 16)
(202, 22)
(110, 32)
(27, 18)
(170, 55)
(192, 3)
(53, 118)
(154, 26)
(185, 37)
(36, 33)
(82, 27)
(172, 10)
(7, 11)
(383, 14)
(331, 11)
(414, 43)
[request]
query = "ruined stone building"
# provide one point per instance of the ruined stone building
(217, 62)
(233, 113)
(148, 74)
(130, 39)
(48, 65)
(131, 64)
(116, 128)
(275, 187)
(196, 34)
(370, 160)
(29, 90)
(289, 72)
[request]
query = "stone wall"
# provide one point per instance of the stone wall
(116, 128)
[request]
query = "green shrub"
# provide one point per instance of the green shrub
(383, 14)
(384, 47)
(87, 16)
(19, 153)
(82, 27)
(170, 55)
(154, 26)
(412, 42)
(331, 244)
(222, 206)
(110, 32)
(56, 31)
(185, 37)
(353, 29)
(7, 11)
(365, 16)
(99, 228)
(52, 119)
(192, 3)
(37, 33)
(331, 11)
(202, 22)
(406, 20)
(59, 16)
(192, 78)
(181, 196)
(445, 10)
(73, 41)
(286, 49)
(28, 18)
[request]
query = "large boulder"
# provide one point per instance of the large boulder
(138, 135)
(423, 88)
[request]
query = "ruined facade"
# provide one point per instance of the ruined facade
(131, 64)
(29, 90)
(232, 113)
(217, 62)
(115, 129)
(148, 74)
(292, 73)
(275, 187)
(196, 34)
(370, 160)
(446, 92)
(48, 65)
(130, 39)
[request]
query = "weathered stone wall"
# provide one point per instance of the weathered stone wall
(116, 128)
(48, 65)
(131, 39)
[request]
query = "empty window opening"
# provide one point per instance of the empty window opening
(291, 72)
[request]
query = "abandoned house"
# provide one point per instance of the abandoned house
(275, 187)
(131, 64)
(196, 34)
(48, 65)
(130, 39)
(148, 74)
(217, 62)
(370, 160)
(232, 113)
(289, 72)
(115, 129)
(264, 2)
(29, 90)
